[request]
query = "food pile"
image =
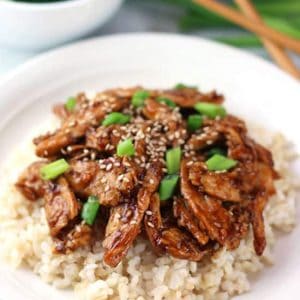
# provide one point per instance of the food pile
(170, 165)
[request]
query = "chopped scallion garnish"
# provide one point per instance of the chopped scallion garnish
(90, 210)
(166, 101)
(210, 109)
(125, 148)
(167, 187)
(194, 122)
(70, 104)
(116, 118)
(173, 158)
(54, 169)
(220, 163)
(180, 86)
(139, 98)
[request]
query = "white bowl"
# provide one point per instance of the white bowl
(36, 26)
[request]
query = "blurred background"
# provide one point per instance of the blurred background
(27, 29)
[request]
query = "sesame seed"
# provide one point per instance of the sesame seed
(120, 177)
(148, 212)
(150, 224)
(128, 213)
(109, 167)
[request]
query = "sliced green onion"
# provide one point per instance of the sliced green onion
(220, 163)
(173, 158)
(210, 109)
(54, 169)
(125, 148)
(70, 104)
(90, 210)
(139, 98)
(216, 150)
(167, 187)
(194, 122)
(180, 86)
(116, 118)
(166, 101)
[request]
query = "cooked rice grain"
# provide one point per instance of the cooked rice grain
(25, 241)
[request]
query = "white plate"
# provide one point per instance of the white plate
(253, 88)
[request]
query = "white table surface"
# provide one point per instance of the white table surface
(134, 16)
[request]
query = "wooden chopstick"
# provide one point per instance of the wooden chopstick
(258, 28)
(276, 52)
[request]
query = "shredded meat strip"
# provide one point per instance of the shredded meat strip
(209, 211)
(111, 180)
(30, 183)
(61, 205)
(157, 111)
(188, 97)
(76, 125)
(104, 139)
(125, 220)
(79, 236)
(185, 218)
(169, 239)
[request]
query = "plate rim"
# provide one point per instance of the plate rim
(56, 51)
